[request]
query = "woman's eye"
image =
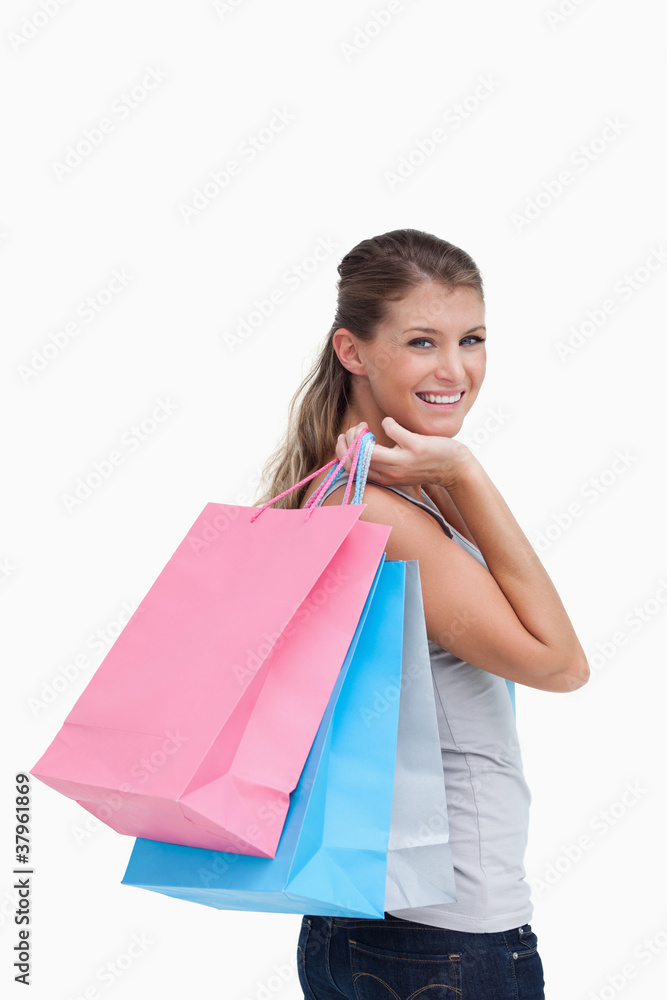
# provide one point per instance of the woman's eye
(473, 338)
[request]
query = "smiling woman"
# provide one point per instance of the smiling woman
(427, 383)
(405, 358)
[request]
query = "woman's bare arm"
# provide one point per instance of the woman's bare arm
(519, 573)
(509, 619)
(469, 612)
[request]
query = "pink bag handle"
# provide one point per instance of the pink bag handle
(311, 503)
(358, 445)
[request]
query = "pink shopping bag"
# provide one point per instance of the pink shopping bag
(190, 731)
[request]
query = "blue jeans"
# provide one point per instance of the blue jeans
(395, 959)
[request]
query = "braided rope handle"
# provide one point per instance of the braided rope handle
(317, 495)
(363, 461)
(366, 454)
(360, 463)
(355, 447)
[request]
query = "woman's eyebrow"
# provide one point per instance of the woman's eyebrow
(428, 329)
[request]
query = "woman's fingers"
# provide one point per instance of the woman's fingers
(341, 447)
(346, 440)
(350, 437)
(417, 458)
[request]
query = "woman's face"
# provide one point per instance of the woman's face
(404, 368)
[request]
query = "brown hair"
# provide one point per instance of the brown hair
(375, 272)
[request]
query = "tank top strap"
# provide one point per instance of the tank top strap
(426, 504)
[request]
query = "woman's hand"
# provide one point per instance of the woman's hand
(414, 460)
(524, 633)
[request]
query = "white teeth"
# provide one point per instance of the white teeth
(430, 398)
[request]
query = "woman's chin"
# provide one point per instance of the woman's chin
(438, 426)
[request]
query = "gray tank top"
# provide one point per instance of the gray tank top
(488, 799)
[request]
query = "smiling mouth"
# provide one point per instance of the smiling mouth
(440, 400)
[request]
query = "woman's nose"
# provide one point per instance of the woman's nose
(449, 368)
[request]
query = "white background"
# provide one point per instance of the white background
(68, 569)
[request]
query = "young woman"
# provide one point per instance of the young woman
(405, 358)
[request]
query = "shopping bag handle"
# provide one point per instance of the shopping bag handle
(363, 444)
(360, 464)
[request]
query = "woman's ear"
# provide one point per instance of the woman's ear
(346, 346)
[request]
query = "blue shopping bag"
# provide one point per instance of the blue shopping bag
(332, 855)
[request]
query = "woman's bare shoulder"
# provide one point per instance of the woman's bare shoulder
(413, 528)
(449, 510)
